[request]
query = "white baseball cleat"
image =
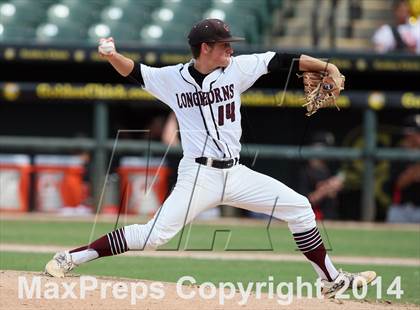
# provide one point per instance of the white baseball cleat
(330, 289)
(60, 265)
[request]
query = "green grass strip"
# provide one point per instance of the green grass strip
(382, 243)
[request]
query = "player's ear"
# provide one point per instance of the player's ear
(203, 47)
(206, 48)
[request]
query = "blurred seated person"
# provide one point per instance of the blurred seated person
(170, 134)
(398, 36)
(75, 188)
(319, 183)
(155, 127)
(406, 178)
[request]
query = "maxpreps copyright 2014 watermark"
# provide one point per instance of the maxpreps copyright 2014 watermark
(186, 288)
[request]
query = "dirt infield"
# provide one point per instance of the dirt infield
(53, 291)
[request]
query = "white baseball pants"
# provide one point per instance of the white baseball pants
(199, 188)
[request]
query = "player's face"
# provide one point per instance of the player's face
(220, 53)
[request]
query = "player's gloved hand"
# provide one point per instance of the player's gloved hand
(106, 47)
(321, 90)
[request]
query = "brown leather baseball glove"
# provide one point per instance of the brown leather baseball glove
(321, 90)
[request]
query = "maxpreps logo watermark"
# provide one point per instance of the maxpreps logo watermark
(283, 292)
(38, 288)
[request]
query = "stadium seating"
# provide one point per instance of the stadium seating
(121, 31)
(142, 21)
(353, 32)
(69, 32)
(112, 15)
(14, 33)
(22, 13)
(284, 23)
(62, 14)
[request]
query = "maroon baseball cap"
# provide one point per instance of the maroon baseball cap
(211, 30)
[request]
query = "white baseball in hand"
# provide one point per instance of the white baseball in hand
(106, 47)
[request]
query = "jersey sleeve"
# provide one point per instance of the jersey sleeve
(284, 61)
(135, 75)
(157, 81)
(251, 67)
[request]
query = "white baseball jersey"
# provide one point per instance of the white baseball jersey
(209, 117)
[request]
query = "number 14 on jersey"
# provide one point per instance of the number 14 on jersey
(226, 111)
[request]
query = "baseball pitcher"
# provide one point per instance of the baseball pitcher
(205, 95)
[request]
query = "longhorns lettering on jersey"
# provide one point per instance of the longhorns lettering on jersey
(191, 99)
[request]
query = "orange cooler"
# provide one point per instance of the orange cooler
(143, 189)
(15, 172)
(59, 182)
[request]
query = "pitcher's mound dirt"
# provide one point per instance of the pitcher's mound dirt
(65, 294)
